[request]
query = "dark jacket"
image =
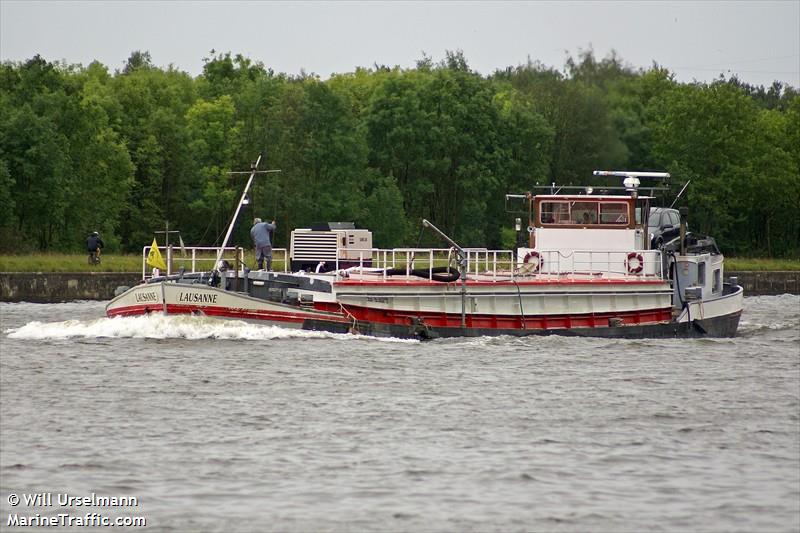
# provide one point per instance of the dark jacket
(94, 242)
(260, 234)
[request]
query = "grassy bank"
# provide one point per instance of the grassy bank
(53, 262)
(133, 263)
(763, 265)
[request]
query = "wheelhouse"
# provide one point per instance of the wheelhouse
(583, 211)
(588, 222)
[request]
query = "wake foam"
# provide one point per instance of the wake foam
(755, 327)
(159, 326)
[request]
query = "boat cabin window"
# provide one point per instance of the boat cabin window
(583, 213)
(616, 213)
(554, 212)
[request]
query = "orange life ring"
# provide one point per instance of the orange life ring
(635, 263)
(538, 260)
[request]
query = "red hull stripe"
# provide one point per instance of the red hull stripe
(387, 316)
(226, 312)
(453, 320)
(134, 310)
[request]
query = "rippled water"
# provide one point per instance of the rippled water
(218, 426)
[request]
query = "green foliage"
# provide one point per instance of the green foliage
(383, 212)
(82, 149)
(745, 181)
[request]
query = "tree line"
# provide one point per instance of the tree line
(84, 149)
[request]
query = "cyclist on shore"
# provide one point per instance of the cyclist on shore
(94, 245)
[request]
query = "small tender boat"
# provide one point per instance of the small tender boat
(584, 267)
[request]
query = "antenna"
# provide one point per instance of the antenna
(253, 172)
(679, 194)
(166, 233)
(631, 181)
(631, 174)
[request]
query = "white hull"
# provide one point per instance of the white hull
(200, 299)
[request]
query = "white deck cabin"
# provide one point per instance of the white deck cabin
(592, 234)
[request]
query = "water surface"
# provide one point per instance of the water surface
(222, 426)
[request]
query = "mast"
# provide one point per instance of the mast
(242, 201)
(166, 233)
(253, 170)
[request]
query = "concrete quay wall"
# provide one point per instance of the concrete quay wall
(757, 283)
(52, 287)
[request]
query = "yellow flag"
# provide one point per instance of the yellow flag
(154, 258)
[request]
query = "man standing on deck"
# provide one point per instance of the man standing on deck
(260, 233)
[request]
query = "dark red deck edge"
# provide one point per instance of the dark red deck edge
(425, 282)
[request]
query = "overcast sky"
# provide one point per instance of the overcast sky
(758, 40)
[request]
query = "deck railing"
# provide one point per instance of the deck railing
(482, 264)
(608, 263)
(202, 258)
(494, 265)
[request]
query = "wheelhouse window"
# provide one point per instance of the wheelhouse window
(554, 213)
(583, 213)
(614, 213)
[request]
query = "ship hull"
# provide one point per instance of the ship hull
(721, 326)
(408, 311)
(524, 305)
(718, 317)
